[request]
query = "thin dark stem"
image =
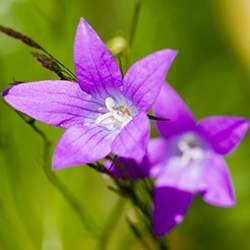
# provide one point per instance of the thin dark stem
(134, 22)
(113, 162)
(131, 34)
(155, 118)
(64, 67)
(30, 42)
(121, 67)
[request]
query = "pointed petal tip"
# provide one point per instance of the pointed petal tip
(170, 207)
(83, 21)
(172, 52)
(56, 164)
(181, 117)
(95, 66)
(81, 145)
(5, 92)
(224, 132)
(143, 80)
(216, 184)
(55, 167)
(227, 201)
(167, 54)
(170, 55)
(161, 231)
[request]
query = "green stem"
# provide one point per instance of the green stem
(131, 33)
(134, 22)
(86, 219)
(111, 223)
(139, 235)
(140, 195)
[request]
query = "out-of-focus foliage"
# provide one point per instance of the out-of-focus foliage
(211, 72)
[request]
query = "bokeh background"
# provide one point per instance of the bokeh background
(211, 73)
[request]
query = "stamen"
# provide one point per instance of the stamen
(116, 117)
(103, 119)
(109, 102)
(183, 146)
(190, 151)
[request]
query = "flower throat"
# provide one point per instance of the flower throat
(115, 118)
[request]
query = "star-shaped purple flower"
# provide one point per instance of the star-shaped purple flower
(103, 112)
(187, 159)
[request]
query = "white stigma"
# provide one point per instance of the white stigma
(190, 152)
(115, 118)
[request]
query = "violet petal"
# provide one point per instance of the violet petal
(132, 140)
(216, 182)
(170, 105)
(170, 207)
(59, 103)
(129, 168)
(158, 150)
(144, 78)
(95, 66)
(80, 145)
(173, 174)
(224, 132)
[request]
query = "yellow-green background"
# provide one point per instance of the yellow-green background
(211, 73)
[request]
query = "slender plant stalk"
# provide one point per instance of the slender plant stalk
(67, 70)
(131, 34)
(85, 218)
(134, 22)
(55, 65)
(111, 223)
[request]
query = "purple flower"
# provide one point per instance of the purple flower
(103, 112)
(187, 159)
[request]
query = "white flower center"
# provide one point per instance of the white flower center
(115, 118)
(190, 151)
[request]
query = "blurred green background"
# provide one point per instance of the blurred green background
(211, 73)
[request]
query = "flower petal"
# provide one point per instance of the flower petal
(94, 64)
(158, 150)
(170, 207)
(216, 182)
(131, 142)
(59, 103)
(144, 78)
(224, 132)
(129, 168)
(173, 174)
(170, 105)
(80, 145)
